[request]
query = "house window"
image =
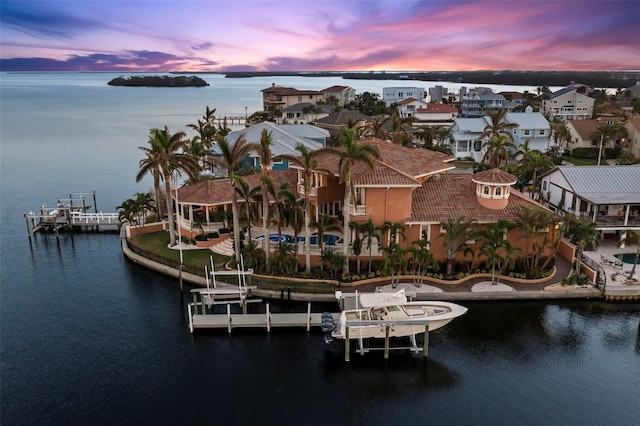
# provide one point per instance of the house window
(424, 232)
(544, 185)
(278, 161)
(485, 190)
(526, 132)
(542, 132)
(498, 191)
(299, 98)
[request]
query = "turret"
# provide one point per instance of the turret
(493, 187)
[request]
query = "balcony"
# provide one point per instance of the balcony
(359, 210)
(312, 190)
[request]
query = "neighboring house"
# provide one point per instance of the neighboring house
(409, 106)
(465, 138)
(393, 95)
(283, 97)
(342, 119)
(436, 113)
(531, 126)
(305, 112)
(608, 196)
(476, 105)
(342, 94)
(583, 133)
(408, 186)
(284, 137)
(632, 143)
(568, 104)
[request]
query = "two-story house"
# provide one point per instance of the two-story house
(343, 95)
(409, 106)
(393, 95)
(532, 127)
(583, 133)
(282, 97)
(478, 104)
(305, 112)
(608, 196)
(435, 114)
(568, 104)
(632, 144)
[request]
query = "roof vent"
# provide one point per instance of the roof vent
(437, 176)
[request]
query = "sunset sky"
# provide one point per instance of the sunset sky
(300, 35)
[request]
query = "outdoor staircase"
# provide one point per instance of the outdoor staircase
(224, 248)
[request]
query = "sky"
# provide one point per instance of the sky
(318, 35)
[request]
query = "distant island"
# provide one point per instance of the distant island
(159, 81)
(596, 79)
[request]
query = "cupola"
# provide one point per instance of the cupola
(493, 187)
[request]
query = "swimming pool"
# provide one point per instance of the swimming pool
(329, 239)
(274, 238)
(627, 257)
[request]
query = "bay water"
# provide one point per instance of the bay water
(87, 337)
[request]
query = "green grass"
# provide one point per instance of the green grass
(584, 161)
(463, 164)
(157, 243)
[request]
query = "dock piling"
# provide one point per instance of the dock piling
(425, 349)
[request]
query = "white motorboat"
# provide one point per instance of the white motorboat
(378, 311)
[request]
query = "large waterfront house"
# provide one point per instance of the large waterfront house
(281, 97)
(475, 104)
(285, 138)
(409, 187)
(435, 114)
(569, 104)
(608, 196)
(466, 140)
(409, 106)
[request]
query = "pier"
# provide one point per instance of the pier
(69, 214)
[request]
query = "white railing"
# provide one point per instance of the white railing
(312, 190)
(94, 218)
(206, 227)
(359, 210)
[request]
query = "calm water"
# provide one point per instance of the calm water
(89, 338)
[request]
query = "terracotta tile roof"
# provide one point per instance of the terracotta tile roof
(289, 91)
(407, 101)
(454, 195)
(495, 176)
(433, 108)
(334, 89)
(584, 128)
(219, 191)
(398, 165)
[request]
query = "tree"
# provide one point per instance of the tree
(631, 236)
(498, 147)
(421, 259)
(432, 135)
(562, 135)
(308, 163)
(249, 195)
(498, 126)
(536, 163)
(584, 234)
(206, 128)
(609, 133)
(129, 212)
(351, 152)
(266, 164)
(535, 224)
(375, 129)
(395, 262)
(283, 200)
(163, 158)
(457, 231)
(369, 232)
(311, 111)
(356, 244)
(494, 242)
(231, 159)
(322, 226)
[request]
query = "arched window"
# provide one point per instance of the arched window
(485, 190)
(498, 191)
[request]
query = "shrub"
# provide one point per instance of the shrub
(585, 152)
(222, 231)
(213, 235)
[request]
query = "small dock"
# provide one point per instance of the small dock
(69, 214)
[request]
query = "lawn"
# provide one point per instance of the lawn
(157, 243)
(584, 161)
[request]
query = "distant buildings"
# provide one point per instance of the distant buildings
(393, 95)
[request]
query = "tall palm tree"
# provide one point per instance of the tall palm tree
(249, 195)
(632, 237)
(266, 164)
(535, 224)
(375, 129)
(498, 147)
(283, 200)
(562, 135)
(351, 152)
(584, 233)
(206, 128)
(457, 231)
(494, 242)
(308, 163)
(369, 232)
(231, 159)
(609, 133)
(165, 156)
(498, 126)
(536, 163)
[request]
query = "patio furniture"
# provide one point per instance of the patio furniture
(605, 260)
(618, 264)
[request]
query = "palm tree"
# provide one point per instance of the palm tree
(584, 233)
(632, 237)
(249, 195)
(498, 147)
(356, 244)
(562, 135)
(231, 159)
(456, 234)
(308, 163)
(395, 262)
(537, 163)
(375, 129)
(430, 134)
(421, 259)
(129, 212)
(266, 163)
(351, 152)
(395, 230)
(498, 125)
(609, 132)
(296, 219)
(535, 224)
(322, 226)
(206, 128)
(163, 158)
(369, 232)
(494, 241)
(283, 200)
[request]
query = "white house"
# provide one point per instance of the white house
(568, 104)
(343, 94)
(393, 95)
(305, 112)
(531, 126)
(476, 104)
(436, 113)
(608, 196)
(409, 106)
(465, 138)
